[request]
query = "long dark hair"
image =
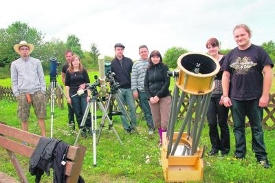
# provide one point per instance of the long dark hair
(154, 53)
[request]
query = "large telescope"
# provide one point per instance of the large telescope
(181, 158)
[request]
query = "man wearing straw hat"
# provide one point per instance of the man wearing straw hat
(28, 85)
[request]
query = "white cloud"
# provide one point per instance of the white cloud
(160, 24)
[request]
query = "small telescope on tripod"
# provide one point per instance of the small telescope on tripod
(53, 68)
(53, 74)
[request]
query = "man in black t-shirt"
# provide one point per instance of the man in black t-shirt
(68, 57)
(246, 84)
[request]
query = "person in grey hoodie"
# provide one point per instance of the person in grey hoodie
(137, 85)
(28, 86)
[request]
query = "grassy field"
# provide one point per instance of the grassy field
(127, 162)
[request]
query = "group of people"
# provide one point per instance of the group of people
(242, 85)
(145, 80)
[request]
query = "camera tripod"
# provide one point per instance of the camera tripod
(53, 85)
(91, 106)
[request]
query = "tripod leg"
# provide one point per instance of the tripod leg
(87, 110)
(52, 105)
(104, 116)
(110, 122)
(93, 128)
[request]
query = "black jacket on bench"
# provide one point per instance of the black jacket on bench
(49, 153)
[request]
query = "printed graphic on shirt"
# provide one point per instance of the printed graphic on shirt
(242, 65)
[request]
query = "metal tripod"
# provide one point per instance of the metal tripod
(92, 104)
(53, 86)
(113, 95)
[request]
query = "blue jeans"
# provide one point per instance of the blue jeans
(217, 115)
(127, 98)
(79, 104)
(250, 108)
(144, 104)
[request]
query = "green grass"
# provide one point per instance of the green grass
(126, 163)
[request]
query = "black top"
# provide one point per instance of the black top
(75, 79)
(122, 69)
(65, 68)
(157, 82)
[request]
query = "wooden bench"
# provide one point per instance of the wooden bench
(11, 139)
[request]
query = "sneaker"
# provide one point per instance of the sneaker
(212, 153)
(151, 132)
(264, 163)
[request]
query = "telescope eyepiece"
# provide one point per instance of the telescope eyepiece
(53, 59)
(173, 73)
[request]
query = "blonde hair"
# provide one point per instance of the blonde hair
(245, 27)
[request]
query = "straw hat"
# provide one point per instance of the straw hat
(23, 43)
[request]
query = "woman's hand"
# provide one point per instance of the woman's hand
(69, 100)
(154, 99)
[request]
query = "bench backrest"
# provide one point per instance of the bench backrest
(11, 139)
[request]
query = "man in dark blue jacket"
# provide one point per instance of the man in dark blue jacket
(122, 67)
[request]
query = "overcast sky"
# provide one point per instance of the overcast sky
(160, 24)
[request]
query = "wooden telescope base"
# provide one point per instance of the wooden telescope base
(181, 168)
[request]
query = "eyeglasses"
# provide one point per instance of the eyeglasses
(24, 49)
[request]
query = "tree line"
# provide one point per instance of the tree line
(44, 50)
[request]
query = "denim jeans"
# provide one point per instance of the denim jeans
(144, 104)
(79, 104)
(250, 108)
(217, 115)
(127, 98)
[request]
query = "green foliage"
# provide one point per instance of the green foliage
(269, 47)
(94, 53)
(171, 56)
(74, 45)
(225, 51)
(13, 35)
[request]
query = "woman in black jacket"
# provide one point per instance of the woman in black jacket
(156, 85)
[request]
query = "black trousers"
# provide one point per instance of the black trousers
(217, 115)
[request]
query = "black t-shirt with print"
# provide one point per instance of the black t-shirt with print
(245, 67)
